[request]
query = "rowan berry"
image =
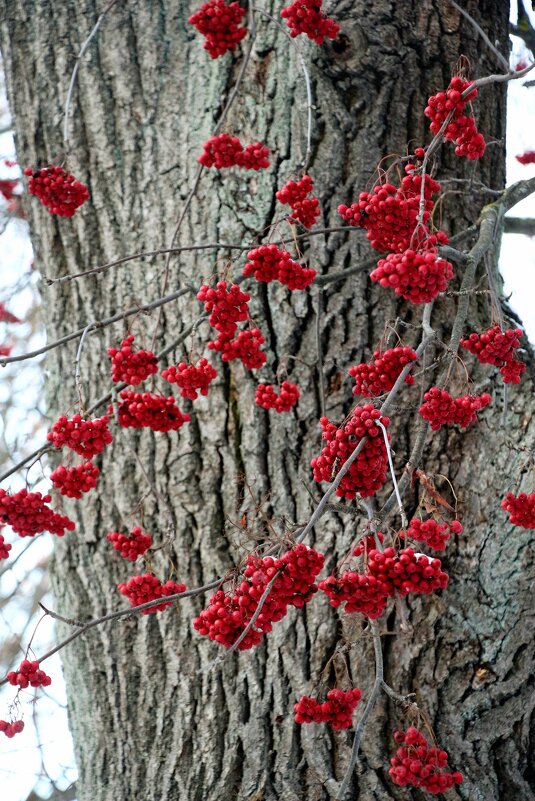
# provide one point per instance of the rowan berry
(147, 587)
(367, 472)
(337, 711)
(379, 376)
(57, 189)
(11, 729)
(267, 398)
(5, 548)
(74, 481)
(224, 150)
(418, 764)
(145, 410)
(227, 615)
(521, 509)
(439, 408)
(220, 24)
(461, 129)
(28, 514)
(306, 16)
(85, 437)
(406, 571)
(417, 277)
(28, 674)
(227, 307)
(130, 366)
(132, 545)
(360, 592)
(305, 209)
(191, 378)
(268, 263)
(498, 348)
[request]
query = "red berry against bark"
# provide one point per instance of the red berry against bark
(224, 150)
(268, 263)
(439, 408)
(28, 514)
(337, 710)
(131, 366)
(267, 398)
(368, 472)
(57, 189)
(85, 437)
(461, 129)
(191, 378)
(418, 764)
(521, 509)
(74, 481)
(132, 545)
(498, 348)
(305, 209)
(306, 16)
(417, 277)
(221, 25)
(145, 410)
(228, 614)
(379, 376)
(142, 589)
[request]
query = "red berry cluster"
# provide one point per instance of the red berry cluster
(417, 277)
(73, 481)
(306, 16)
(228, 614)
(85, 437)
(28, 514)
(11, 729)
(526, 158)
(220, 24)
(269, 263)
(7, 316)
(224, 150)
(498, 347)
(28, 674)
(227, 307)
(406, 571)
(145, 410)
(434, 534)
(267, 398)
(5, 548)
(367, 473)
(417, 764)
(129, 366)
(245, 347)
(461, 129)
(337, 710)
(389, 214)
(439, 408)
(380, 375)
(142, 589)
(305, 210)
(132, 545)
(191, 378)
(360, 592)
(57, 189)
(521, 509)
(367, 544)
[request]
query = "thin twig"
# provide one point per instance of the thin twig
(77, 373)
(392, 473)
(96, 326)
(501, 58)
(75, 72)
(359, 731)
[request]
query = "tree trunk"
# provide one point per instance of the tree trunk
(149, 719)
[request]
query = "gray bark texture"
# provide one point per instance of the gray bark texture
(149, 721)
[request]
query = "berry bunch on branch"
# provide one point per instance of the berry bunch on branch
(337, 710)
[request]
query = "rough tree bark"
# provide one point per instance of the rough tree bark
(147, 720)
